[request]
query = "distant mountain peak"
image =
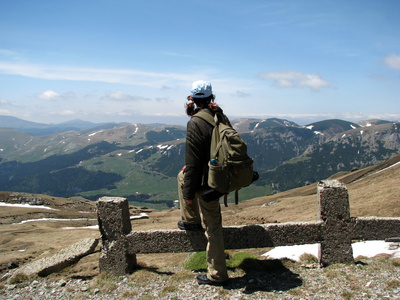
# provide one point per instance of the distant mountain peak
(367, 123)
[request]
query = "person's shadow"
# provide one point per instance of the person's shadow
(264, 275)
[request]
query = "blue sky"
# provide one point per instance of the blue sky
(134, 61)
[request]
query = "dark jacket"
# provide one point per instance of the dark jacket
(198, 141)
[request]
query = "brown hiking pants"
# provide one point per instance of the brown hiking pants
(211, 213)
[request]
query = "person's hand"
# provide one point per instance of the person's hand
(189, 202)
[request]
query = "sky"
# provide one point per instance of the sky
(134, 61)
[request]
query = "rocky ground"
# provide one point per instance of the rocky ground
(377, 278)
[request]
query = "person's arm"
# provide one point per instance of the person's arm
(194, 157)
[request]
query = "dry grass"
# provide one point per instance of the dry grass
(393, 284)
(129, 294)
(179, 276)
(307, 258)
(396, 262)
(142, 276)
(105, 282)
(167, 290)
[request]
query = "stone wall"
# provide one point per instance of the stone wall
(335, 232)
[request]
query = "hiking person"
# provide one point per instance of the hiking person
(192, 183)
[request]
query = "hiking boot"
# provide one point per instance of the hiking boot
(203, 279)
(187, 226)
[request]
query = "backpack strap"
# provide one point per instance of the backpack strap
(206, 117)
(226, 200)
(236, 198)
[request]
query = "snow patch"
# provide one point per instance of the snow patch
(85, 227)
(398, 163)
(365, 248)
(94, 133)
(26, 206)
(255, 127)
(140, 216)
(52, 219)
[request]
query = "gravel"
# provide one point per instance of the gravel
(377, 278)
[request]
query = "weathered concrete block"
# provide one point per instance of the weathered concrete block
(235, 237)
(113, 217)
(114, 225)
(334, 211)
(374, 228)
(116, 257)
(64, 258)
(164, 241)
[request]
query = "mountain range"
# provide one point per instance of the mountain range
(141, 161)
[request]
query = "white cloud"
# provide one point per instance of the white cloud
(164, 114)
(392, 61)
(4, 112)
(369, 115)
(49, 95)
(122, 76)
(296, 79)
(66, 112)
(6, 102)
(120, 96)
(287, 115)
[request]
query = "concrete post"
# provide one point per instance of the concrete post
(114, 225)
(334, 211)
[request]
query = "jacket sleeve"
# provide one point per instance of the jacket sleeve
(197, 155)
